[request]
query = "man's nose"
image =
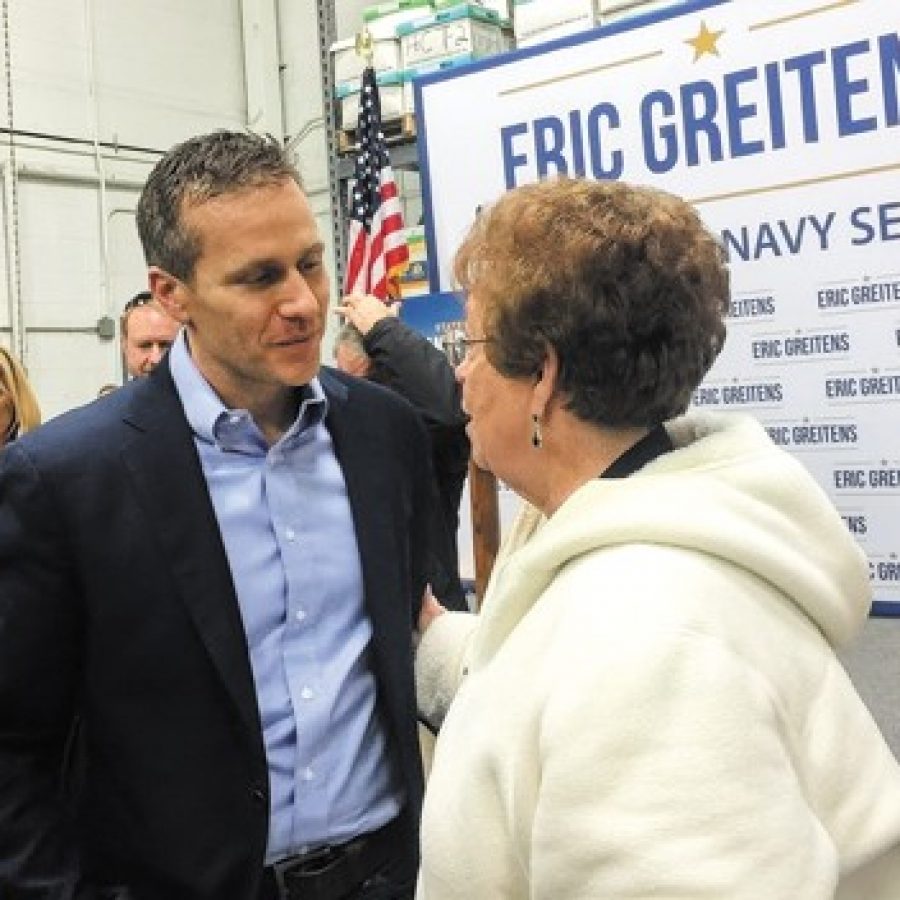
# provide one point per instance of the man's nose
(298, 298)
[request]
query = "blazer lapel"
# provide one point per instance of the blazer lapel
(364, 461)
(164, 466)
(358, 457)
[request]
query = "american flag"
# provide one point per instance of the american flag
(377, 251)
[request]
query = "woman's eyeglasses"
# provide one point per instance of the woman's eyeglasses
(458, 347)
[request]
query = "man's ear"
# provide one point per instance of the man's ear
(170, 292)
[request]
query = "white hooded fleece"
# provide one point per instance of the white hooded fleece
(650, 705)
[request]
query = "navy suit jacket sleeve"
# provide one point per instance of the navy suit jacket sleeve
(39, 673)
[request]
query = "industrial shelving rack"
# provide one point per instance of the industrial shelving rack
(402, 147)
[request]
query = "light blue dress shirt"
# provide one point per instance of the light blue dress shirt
(288, 532)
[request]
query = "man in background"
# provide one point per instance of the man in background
(208, 584)
(147, 331)
(374, 344)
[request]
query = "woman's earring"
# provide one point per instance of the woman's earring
(537, 437)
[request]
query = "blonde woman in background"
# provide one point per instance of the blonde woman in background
(19, 410)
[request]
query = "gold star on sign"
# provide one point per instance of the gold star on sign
(705, 42)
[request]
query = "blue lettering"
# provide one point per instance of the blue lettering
(765, 240)
(742, 247)
(886, 220)
(577, 142)
(614, 170)
(667, 134)
(792, 243)
(547, 154)
(822, 228)
(803, 66)
(700, 121)
(776, 112)
(889, 54)
(845, 88)
(511, 160)
(738, 112)
(857, 220)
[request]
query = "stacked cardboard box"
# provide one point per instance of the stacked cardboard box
(390, 93)
(465, 28)
(536, 21)
(411, 38)
(381, 20)
(349, 65)
(503, 8)
(616, 10)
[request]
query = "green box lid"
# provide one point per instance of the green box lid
(345, 88)
(447, 4)
(459, 11)
(388, 7)
(439, 65)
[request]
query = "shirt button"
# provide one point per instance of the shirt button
(300, 615)
(308, 774)
(307, 693)
(290, 534)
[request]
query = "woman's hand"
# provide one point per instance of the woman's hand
(431, 609)
(364, 311)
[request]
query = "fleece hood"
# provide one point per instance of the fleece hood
(725, 491)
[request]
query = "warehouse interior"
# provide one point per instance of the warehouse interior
(93, 92)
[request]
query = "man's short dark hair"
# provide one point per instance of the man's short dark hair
(141, 298)
(194, 171)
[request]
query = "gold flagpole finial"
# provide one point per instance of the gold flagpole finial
(365, 45)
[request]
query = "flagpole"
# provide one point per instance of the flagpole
(377, 251)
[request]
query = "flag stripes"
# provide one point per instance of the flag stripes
(377, 251)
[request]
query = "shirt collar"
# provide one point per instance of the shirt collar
(206, 412)
(655, 443)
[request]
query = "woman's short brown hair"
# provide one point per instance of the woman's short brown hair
(623, 281)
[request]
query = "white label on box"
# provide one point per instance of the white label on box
(450, 39)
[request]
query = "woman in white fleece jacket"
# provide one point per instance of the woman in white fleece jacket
(649, 705)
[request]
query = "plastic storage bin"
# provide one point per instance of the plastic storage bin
(390, 93)
(349, 65)
(383, 19)
(461, 29)
(503, 8)
(533, 19)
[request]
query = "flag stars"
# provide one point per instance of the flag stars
(374, 252)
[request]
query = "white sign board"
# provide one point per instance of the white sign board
(779, 120)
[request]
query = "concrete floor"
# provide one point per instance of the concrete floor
(874, 665)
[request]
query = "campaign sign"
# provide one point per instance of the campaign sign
(779, 120)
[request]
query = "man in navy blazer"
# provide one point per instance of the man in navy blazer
(208, 581)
